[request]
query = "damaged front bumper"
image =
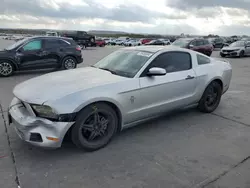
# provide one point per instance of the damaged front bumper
(35, 130)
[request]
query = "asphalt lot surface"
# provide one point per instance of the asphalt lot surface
(182, 149)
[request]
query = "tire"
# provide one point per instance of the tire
(69, 63)
(242, 53)
(222, 55)
(203, 105)
(86, 115)
(6, 68)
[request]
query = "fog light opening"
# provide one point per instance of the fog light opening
(36, 137)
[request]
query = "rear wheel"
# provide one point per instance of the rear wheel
(210, 98)
(6, 68)
(95, 127)
(69, 63)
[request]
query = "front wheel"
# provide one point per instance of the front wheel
(241, 54)
(69, 63)
(210, 98)
(95, 126)
(6, 68)
(222, 55)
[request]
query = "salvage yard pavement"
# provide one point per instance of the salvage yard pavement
(182, 149)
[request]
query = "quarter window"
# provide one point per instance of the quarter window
(33, 45)
(171, 62)
(202, 59)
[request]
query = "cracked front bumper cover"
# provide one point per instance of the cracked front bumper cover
(27, 125)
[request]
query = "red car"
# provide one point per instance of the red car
(100, 42)
(146, 40)
(199, 45)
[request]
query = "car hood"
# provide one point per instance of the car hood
(231, 48)
(56, 85)
(3, 53)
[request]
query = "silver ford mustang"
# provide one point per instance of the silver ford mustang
(127, 87)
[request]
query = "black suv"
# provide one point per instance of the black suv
(81, 37)
(40, 52)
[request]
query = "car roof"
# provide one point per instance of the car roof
(48, 37)
(154, 49)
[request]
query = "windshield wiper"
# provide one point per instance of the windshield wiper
(106, 69)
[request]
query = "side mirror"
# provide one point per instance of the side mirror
(155, 71)
(191, 46)
(20, 50)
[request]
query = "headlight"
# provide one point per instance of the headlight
(236, 49)
(44, 111)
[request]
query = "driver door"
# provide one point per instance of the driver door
(31, 56)
(159, 94)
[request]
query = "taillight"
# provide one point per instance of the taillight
(78, 48)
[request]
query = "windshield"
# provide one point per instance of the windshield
(124, 62)
(181, 43)
(11, 47)
(238, 44)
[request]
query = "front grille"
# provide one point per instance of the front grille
(227, 50)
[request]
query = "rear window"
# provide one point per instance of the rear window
(55, 43)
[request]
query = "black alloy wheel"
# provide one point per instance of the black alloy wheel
(95, 127)
(210, 98)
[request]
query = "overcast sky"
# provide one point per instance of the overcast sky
(223, 17)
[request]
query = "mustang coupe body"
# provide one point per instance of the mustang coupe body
(127, 87)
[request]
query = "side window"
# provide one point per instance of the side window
(51, 43)
(63, 43)
(205, 42)
(172, 62)
(33, 45)
(199, 43)
(194, 42)
(202, 59)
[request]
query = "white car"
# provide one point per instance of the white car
(132, 43)
(238, 48)
(166, 41)
(119, 42)
(127, 87)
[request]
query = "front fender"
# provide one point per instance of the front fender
(100, 99)
(13, 60)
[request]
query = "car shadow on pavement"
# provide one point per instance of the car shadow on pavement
(34, 72)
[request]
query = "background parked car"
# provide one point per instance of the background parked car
(166, 41)
(145, 40)
(155, 42)
(100, 42)
(196, 44)
(81, 37)
(218, 42)
(132, 42)
(238, 48)
(40, 52)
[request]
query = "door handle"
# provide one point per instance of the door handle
(189, 77)
(42, 53)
